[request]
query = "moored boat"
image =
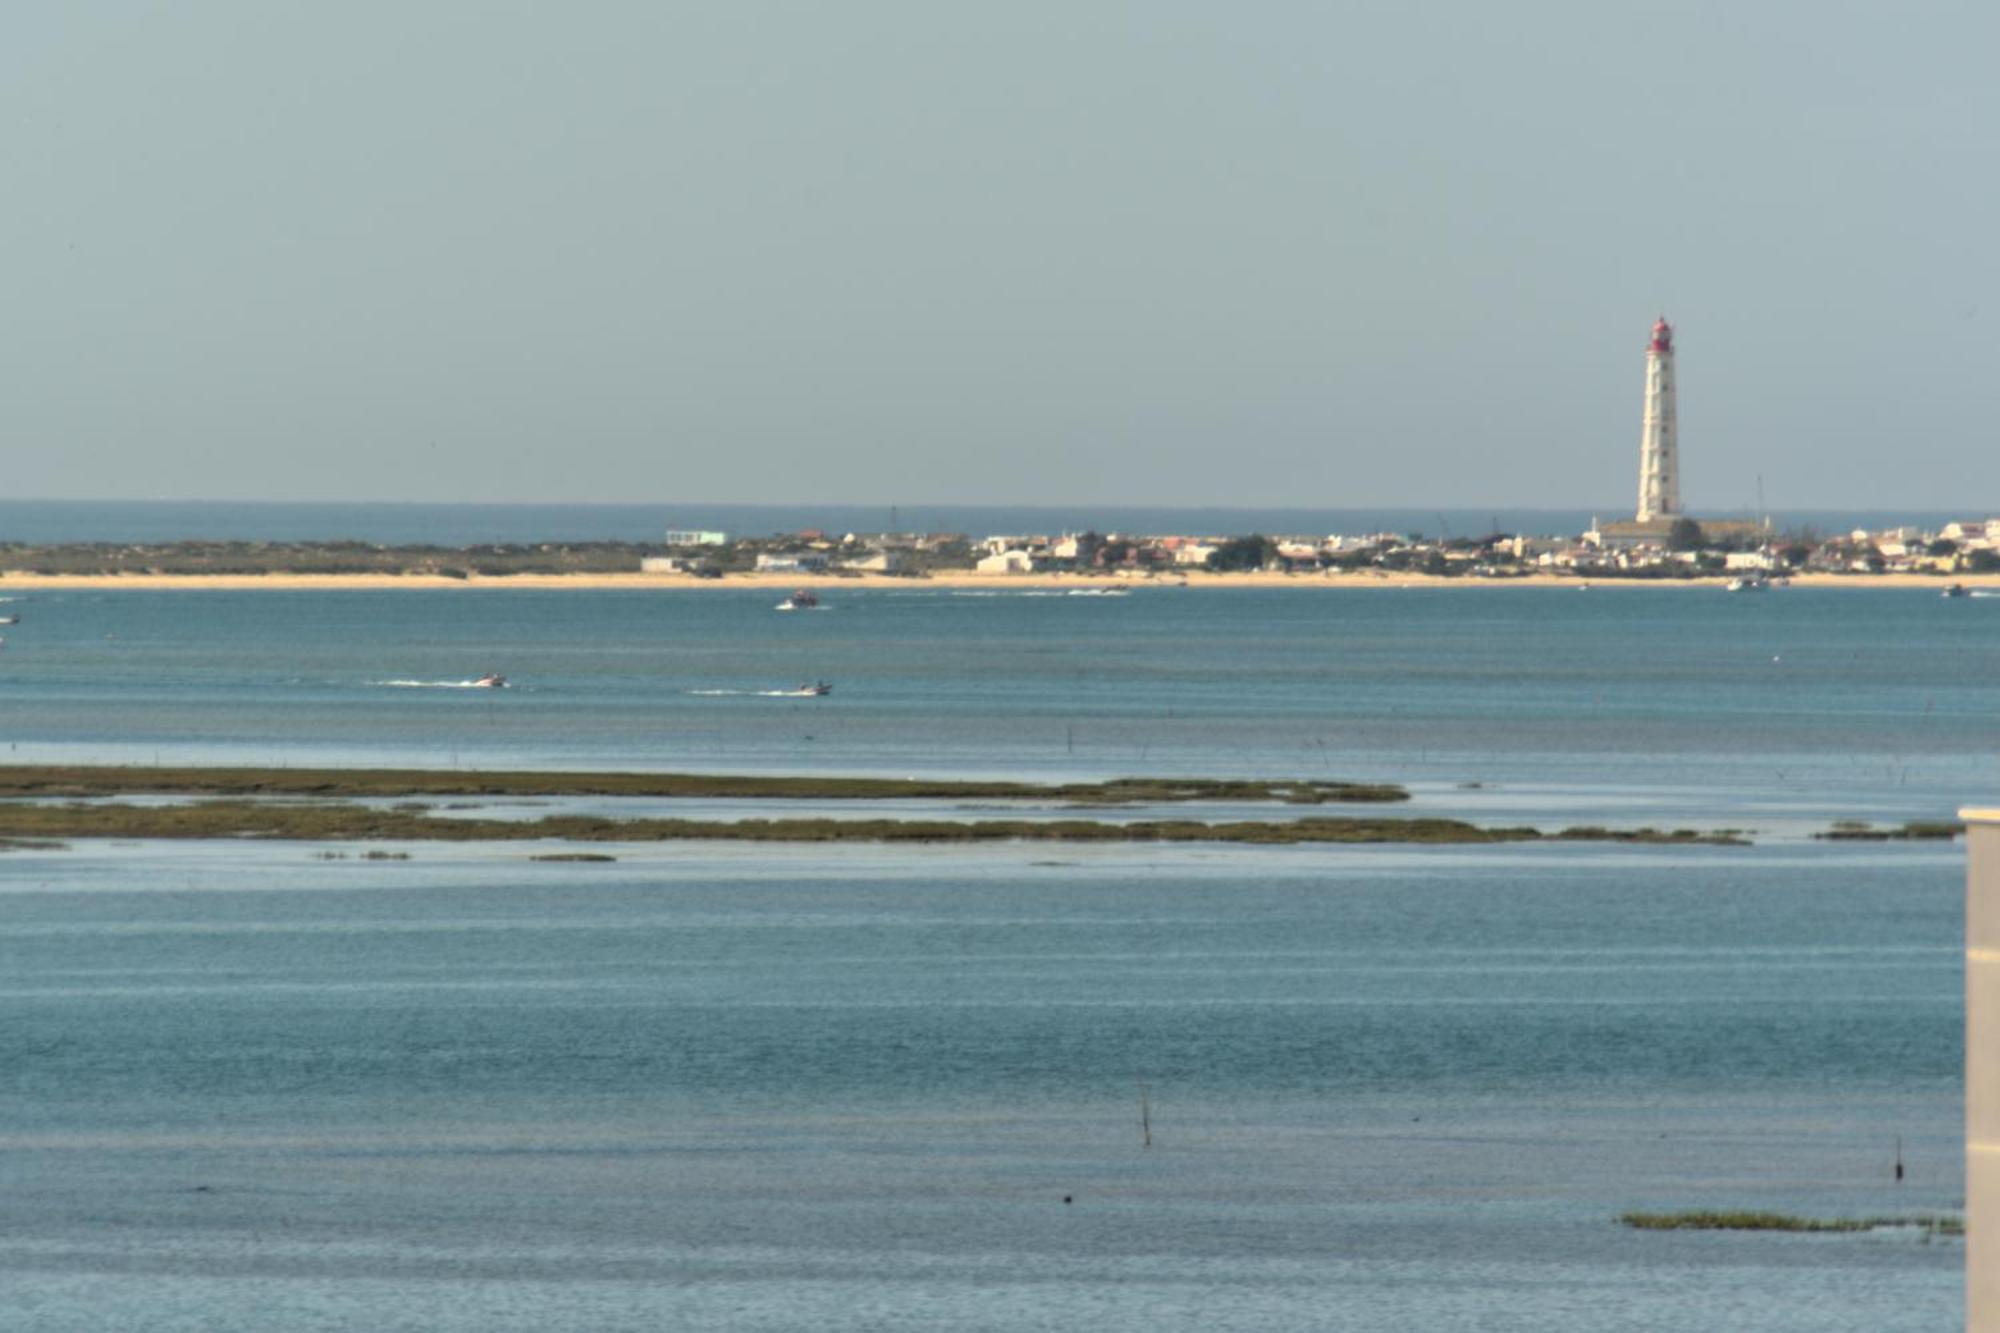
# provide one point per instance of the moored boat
(805, 599)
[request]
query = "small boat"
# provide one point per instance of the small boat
(10, 620)
(1755, 583)
(1956, 590)
(492, 680)
(805, 599)
(815, 689)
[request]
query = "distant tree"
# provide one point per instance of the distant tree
(1684, 535)
(1943, 546)
(1796, 554)
(1982, 562)
(1239, 553)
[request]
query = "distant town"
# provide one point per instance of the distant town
(1681, 549)
(1659, 542)
(1677, 548)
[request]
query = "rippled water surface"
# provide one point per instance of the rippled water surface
(746, 1087)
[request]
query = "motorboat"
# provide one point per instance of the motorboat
(493, 680)
(815, 689)
(1755, 583)
(805, 599)
(1956, 590)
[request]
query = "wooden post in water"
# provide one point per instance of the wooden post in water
(1145, 1119)
(1982, 1071)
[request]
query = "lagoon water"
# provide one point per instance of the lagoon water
(743, 1087)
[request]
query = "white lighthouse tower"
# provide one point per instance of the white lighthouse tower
(1659, 452)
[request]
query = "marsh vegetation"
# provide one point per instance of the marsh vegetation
(383, 783)
(343, 822)
(1706, 1220)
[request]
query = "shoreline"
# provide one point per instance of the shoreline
(967, 581)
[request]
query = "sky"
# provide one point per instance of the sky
(903, 251)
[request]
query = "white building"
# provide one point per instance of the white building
(804, 562)
(1194, 553)
(879, 562)
(1015, 561)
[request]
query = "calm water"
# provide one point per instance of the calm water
(1849, 700)
(849, 1088)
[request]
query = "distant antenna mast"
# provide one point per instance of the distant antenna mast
(893, 521)
(1762, 512)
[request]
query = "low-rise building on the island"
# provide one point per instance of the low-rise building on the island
(1195, 553)
(1759, 561)
(791, 562)
(894, 561)
(1011, 561)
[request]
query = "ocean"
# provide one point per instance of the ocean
(57, 521)
(734, 1086)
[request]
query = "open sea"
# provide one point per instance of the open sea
(744, 1087)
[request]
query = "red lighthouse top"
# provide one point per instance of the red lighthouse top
(1663, 335)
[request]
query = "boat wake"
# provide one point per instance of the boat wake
(1042, 592)
(483, 683)
(802, 693)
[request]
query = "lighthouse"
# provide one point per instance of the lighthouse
(1659, 452)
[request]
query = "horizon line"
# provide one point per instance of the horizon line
(1610, 512)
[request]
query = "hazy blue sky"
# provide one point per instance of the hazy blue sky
(911, 250)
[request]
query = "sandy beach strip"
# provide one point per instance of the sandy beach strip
(955, 581)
